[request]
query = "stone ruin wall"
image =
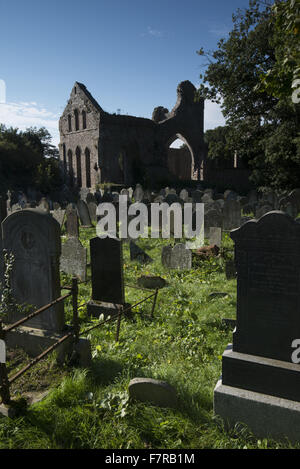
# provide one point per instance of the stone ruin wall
(128, 149)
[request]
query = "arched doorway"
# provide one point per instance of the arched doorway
(180, 158)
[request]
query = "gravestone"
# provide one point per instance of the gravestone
(44, 205)
(154, 391)
(136, 253)
(33, 237)
(178, 257)
(3, 209)
(231, 214)
(107, 276)
(73, 258)
(151, 282)
(138, 194)
(213, 218)
(197, 196)
(184, 195)
(262, 210)
(59, 216)
(215, 236)
(90, 198)
(72, 223)
(258, 375)
(84, 215)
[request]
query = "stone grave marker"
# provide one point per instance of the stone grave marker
(231, 214)
(136, 253)
(260, 383)
(138, 194)
(73, 258)
(72, 223)
(3, 209)
(154, 391)
(178, 257)
(84, 215)
(92, 207)
(213, 218)
(59, 215)
(215, 236)
(184, 195)
(33, 237)
(107, 275)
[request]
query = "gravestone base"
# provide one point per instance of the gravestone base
(262, 375)
(95, 308)
(35, 341)
(266, 416)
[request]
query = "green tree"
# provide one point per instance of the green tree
(255, 118)
(27, 159)
(218, 146)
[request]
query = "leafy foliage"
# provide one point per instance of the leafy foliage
(255, 118)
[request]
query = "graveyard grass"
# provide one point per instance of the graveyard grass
(182, 344)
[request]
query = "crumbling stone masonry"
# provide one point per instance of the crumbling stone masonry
(96, 146)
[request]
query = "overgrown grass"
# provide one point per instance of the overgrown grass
(183, 345)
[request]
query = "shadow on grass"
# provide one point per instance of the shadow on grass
(104, 371)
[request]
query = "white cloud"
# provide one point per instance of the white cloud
(29, 114)
(213, 116)
(153, 32)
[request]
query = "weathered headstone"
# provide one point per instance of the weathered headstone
(107, 270)
(231, 214)
(215, 236)
(178, 257)
(73, 258)
(151, 282)
(154, 391)
(259, 377)
(213, 218)
(44, 205)
(92, 207)
(136, 253)
(84, 215)
(184, 195)
(138, 194)
(262, 210)
(33, 237)
(72, 222)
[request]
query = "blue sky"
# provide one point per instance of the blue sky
(130, 54)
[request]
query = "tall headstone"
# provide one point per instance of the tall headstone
(138, 194)
(59, 215)
(107, 270)
(33, 237)
(260, 383)
(231, 214)
(72, 223)
(213, 218)
(92, 207)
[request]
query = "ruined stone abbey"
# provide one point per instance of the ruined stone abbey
(96, 146)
